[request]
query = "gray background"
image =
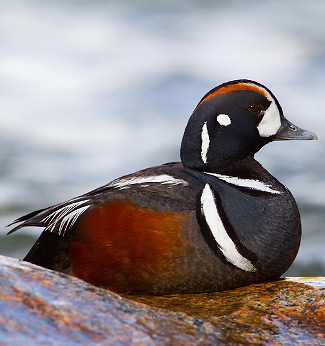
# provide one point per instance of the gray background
(91, 90)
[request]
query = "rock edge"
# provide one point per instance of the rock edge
(40, 306)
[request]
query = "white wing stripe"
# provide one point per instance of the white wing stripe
(164, 179)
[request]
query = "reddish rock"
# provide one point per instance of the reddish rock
(39, 306)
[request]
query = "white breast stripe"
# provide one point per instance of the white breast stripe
(165, 179)
(225, 243)
(249, 183)
(205, 142)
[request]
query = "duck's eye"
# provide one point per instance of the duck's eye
(255, 109)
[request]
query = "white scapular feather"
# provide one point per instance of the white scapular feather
(66, 216)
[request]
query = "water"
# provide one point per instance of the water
(93, 90)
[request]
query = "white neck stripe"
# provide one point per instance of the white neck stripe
(205, 142)
(248, 183)
(225, 243)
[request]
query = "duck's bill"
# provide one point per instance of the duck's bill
(291, 131)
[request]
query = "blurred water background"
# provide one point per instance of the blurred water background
(91, 90)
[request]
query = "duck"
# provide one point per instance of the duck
(214, 221)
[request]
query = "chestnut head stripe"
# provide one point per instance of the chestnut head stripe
(232, 88)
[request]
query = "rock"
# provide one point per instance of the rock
(39, 306)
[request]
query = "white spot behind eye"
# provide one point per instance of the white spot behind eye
(205, 142)
(223, 119)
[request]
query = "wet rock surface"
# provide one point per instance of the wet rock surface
(38, 306)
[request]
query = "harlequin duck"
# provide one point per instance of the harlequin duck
(214, 221)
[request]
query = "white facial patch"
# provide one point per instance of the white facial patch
(223, 119)
(270, 122)
(205, 142)
(248, 183)
(225, 243)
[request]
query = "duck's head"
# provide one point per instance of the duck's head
(234, 121)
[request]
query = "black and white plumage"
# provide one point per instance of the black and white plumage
(214, 221)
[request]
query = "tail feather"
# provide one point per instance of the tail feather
(26, 220)
(57, 219)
